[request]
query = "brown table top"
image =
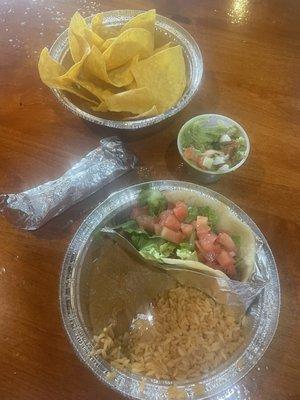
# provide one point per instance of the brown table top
(250, 74)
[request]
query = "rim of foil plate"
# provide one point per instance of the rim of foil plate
(264, 312)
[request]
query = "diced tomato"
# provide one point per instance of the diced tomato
(163, 215)
(168, 219)
(157, 229)
(207, 241)
(225, 240)
(187, 229)
(214, 255)
(139, 211)
(217, 248)
(202, 225)
(172, 222)
(171, 206)
(229, 270)
(211, 258)
(181, 211)
(146, 222)
(190, 154)
(171, 236)
(208, 257)
(225, 259)
(200, 249)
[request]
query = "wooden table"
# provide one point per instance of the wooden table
(250, 74)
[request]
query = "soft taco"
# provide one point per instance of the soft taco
(184, 228)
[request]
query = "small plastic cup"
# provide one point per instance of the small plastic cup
(207, 176)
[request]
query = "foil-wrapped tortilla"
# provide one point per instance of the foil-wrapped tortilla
(34, 207)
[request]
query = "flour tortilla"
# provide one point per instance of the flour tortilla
(227, 222)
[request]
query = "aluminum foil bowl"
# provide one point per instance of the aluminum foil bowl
(75, 284)
(173, 33)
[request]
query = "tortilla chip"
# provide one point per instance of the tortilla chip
(77, 42)
(135, 101)
(150, 113)
(102, 107)
(132, 42)
(102, 30)
(145, 20)
(55, 76)
(49, 69)
(163, 74)
(107, 43)
(79, 75)
(161, 48)
(96, 24)
(132, 85)
(94, 67)
(93, 39)
(77, 24)
(122, 76)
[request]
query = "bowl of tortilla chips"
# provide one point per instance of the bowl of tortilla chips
(123, 69)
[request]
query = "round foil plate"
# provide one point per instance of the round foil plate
(173, 33)
(264, 312)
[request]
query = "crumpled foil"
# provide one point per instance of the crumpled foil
(34, 207)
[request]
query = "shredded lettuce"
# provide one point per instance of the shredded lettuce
(206, 211)
(150, 246)
(157, 251)
(186, 251)
(192, 214)
(154, 200)
(167, 249)
(129, 226)
(141, 239)
(211, 215)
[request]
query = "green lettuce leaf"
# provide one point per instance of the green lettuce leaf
(154, 200)
(192, 214)
(211, 215)
(186, 251)
(129, 226)
(141, 239)
(206, 211)
(157, 251)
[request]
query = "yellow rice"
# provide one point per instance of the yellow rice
(188, 336)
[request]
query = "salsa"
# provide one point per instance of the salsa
(215, 147)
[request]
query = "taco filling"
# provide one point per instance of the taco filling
(167, 226)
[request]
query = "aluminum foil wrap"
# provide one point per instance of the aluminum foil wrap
(34, 207)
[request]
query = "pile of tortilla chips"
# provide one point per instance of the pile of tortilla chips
(117, 69)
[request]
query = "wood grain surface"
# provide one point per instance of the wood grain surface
(251, 74)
